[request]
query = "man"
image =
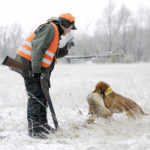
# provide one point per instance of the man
(39, 53)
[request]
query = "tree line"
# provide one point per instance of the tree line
(10, 38)
(117, 31)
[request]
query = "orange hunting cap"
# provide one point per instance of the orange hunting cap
(67, 19)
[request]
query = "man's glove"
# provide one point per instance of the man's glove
(36, 76)
(69, 44)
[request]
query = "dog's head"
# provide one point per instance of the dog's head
(101, 87)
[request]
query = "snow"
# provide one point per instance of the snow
(71, 83)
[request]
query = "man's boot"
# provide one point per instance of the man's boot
(34, 129)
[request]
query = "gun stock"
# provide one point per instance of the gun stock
(14, 64)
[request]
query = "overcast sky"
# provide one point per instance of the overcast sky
(30, 13)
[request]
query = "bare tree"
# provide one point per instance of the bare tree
(109, 14)
(4, 40)
(10, 39)
(114, 20)
(146, 37)
(141, 26)
(124, 15)
(16, 38)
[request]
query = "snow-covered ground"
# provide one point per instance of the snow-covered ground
(70, 86)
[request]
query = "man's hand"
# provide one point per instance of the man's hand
(36, 76)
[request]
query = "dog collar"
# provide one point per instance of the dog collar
(108, 91)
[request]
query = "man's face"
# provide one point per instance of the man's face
(67, 30)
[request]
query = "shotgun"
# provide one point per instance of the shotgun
(10, 62)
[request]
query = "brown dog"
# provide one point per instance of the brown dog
(117, 103)
(96, 109)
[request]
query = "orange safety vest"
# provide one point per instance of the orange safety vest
(26, 48)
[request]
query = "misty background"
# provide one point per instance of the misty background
(119, 35)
